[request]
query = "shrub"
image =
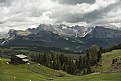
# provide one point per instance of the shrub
(62, 73)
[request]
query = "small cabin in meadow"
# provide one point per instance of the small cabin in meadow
(19, 59)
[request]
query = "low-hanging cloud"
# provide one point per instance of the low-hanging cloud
(21, 14)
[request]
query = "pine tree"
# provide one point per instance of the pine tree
(58, 65)
(88, 67)
(45, 60)
(92, 52)
(80, 63)
(113, 61)
(64, 67)
(77, 63)
(99, 55)
(84, 71)
(52, 57)
(54, 64)
(73, 70)
(62, 59)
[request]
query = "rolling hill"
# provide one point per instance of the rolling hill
(26, 72)
(37, 72)
(106, 62)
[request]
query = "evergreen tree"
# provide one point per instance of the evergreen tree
(73, 70)
(92, 54)
(77, 63)
(99, 55)
(84, 71)
(80, 63)
(88, 67)
(54, 64)
(45, 60)
(52, 57)
(64, 67)
(113, 61)
(62, 59)
(58, 65)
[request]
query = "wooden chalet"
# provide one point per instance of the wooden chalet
(19, 59)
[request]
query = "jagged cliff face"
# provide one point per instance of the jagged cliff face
(64, 30)
(75, 38)
(67, 31)
(78, 31)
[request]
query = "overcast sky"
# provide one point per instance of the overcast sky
(21, 14)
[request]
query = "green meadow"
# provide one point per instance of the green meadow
(37, 72)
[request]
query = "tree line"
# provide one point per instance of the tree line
(72, 66)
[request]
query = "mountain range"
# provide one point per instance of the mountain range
(74, 38)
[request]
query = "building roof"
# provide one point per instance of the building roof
(25, 60)
(21, 56)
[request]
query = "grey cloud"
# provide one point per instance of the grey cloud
(36, 12)
(90, 17)
(99, 14)
(71, 18)
(74, 2)
(3, 1)
(6, 2)
(75, 18)
(1, 23)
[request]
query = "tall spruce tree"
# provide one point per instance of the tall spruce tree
(64, 67)
(80, 63)
(92, 52)
(61, 59)
(58, 65)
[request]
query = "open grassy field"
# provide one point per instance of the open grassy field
(10, 72)
(25, 72)
(36, 72)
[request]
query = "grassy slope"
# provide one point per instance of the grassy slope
(106, 60)
(96, 77)
(21, 72)
(42, 73)
(25, 72)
